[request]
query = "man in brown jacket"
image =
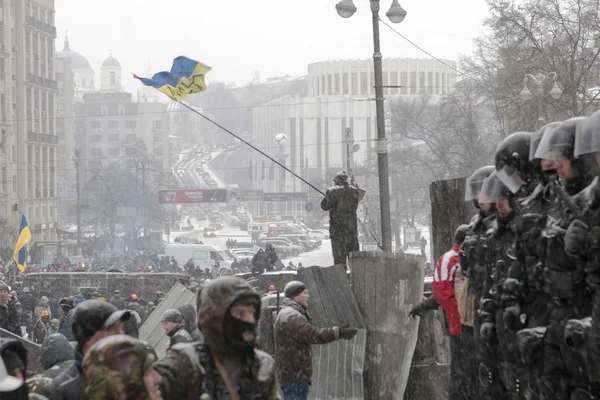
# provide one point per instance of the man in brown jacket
(294, 335)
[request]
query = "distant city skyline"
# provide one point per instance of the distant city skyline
(238, 37)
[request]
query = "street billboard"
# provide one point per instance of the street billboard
(192, 196)
(298, 196)
(245, 195)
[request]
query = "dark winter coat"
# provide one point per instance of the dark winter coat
(342, 202)
(118, 302)
(28, 302)
(294, 334)
(187, 368)
(9, 317)
(178, 335)
(472, 251)
(40, 331)
(69, 384)
(56, 356)
(64, 327)
(189, 317)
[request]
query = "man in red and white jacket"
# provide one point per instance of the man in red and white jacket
(443, 282)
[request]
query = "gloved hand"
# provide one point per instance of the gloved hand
(347, 332)
(417, 310)
(575, 238)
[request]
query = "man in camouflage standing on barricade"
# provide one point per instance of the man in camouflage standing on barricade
(342, 202)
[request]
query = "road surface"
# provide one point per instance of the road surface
(321, 256)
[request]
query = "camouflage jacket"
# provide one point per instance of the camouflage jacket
(294, 335)
(188, 371)
(342, 203)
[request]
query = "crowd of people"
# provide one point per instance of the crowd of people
(94, 351)
(529, 305)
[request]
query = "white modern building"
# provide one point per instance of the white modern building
(340, 99)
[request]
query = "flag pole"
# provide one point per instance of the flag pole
(251, 146)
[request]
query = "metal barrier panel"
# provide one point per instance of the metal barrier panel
(151, 330)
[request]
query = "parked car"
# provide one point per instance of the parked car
(285, 243)
(244, 245)
(305, 246)
(242, 254)
(318, 234)
(305, 239)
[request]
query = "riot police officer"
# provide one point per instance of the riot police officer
(582, 239)
(565, 370)
(500, 340)
(472, 261)
(526, 304)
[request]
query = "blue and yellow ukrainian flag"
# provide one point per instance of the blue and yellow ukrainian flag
(186, 77)
(20, 253)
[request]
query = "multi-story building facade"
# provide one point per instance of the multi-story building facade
(27, 109)
(340, 99)
(66, 174)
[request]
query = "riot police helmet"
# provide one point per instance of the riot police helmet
(513, 167)
(475, 182)
(587, 141)
(559, 143)
(536, 138)
(493, 189)
(461, 233)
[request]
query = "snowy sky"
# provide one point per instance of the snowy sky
(237, 37)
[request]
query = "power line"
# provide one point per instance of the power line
(423, 50)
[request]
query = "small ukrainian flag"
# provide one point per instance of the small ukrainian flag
(186, 77)
(20, 253)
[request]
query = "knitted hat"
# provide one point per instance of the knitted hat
(293, 289)
(172, 315)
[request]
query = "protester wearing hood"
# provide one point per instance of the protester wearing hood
(294, 335)
(92, 321)
(172, 323)
(120, 367)
(56, 355)
(13, 370)
(190, 322)
(228, 312)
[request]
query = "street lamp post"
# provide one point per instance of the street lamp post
(396, 14)
(281, 139)
(537, 90)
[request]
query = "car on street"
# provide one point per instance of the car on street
(242, 254)
(293, 249)
(318, 234)
(310, 243)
